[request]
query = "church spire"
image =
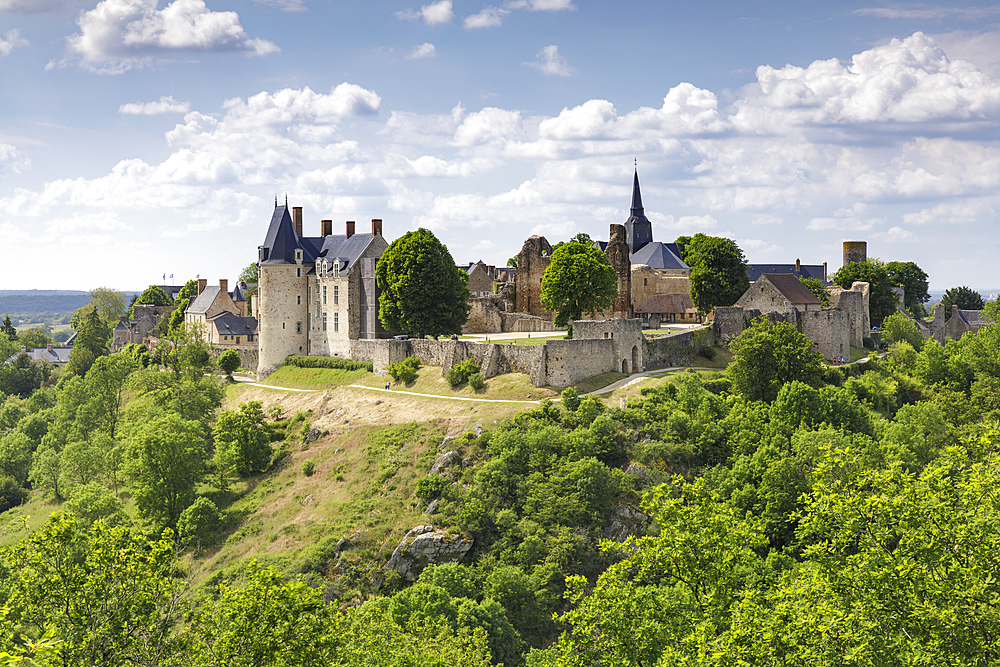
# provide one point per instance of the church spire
(636, 196)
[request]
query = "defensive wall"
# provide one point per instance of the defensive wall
(494, 313)
(598, 346)
(249, 355)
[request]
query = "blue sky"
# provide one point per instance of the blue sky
(143, 137)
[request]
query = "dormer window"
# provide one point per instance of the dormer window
(298, 255)
(336, 268)
(261, 254)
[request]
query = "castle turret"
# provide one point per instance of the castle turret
(282, 308)
(618, 256)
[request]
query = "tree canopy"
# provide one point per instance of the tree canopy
(91, 343)
(965, 298)
(189, 290)
(153, 296)
(881, 298)
(578, 280)
(769, 354)
(109, 303)
(718, 271)
(913, 280)
(8, 328)
(423, 292)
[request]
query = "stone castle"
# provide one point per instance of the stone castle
(317, 293)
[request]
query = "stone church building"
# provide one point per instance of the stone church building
(317, 294)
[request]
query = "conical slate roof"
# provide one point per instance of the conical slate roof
(638, 230)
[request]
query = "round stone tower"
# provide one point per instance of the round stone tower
(855, 251)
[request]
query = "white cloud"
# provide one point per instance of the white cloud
(929, 13)
(425, 50)
(11, 158)
(11, 40)
(489, 17)
(982, 49)
(35, 6)
(166, 104)
(118, 35)
(541, 5)
(548, 61)
(284, 5)
(435, 13)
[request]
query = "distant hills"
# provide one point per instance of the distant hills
(41, 301)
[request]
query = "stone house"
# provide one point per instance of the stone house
(480, 279)
(779, 293)
(798, 269)
(668, 309)
(316, 294)
(220, 317)
(57, 356)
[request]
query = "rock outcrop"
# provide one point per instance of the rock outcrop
(625, 521)
(423, 546)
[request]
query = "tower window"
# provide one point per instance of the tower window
(324, 295)
(298, 273)
(298, 300)
(336, 321)
(324, 320)
(336, 294)
(298, 327)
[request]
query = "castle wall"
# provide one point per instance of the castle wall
(534, 258)
(830, 330)
(627, 335)
(647, 282)
(568, 362)
(855, 251)
(283, 304)
(854, 302)
(491, 314)
(728, 323)
(617, 254)
(667, 351)
(765, 297)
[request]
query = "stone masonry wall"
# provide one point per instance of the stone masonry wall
(678, 350)
(728, 324)
(647, 282)
(627, 335)
(568, 362)
(830, 330)
(534, 258)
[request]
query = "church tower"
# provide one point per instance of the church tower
(638, 229)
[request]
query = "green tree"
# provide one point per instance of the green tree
(965, 298)
(92, 502)
(106, 384)
(91, 343)
(898, 327)
(423, 292)
(189, 290)
(718, 271)
(682, 245)
(769, 354)
(512, 263)
(819, 290)
(200, 521)
(8, 328)
(152, 295)
(243, 433)
(33, 338)
(22, 376)
(913, 280)
(109, 303)
(881, 298)
(228, 362)
(578, 280)
(164, 462)
(251, 276)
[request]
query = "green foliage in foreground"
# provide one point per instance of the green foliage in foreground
(463, 371)
(303, 361)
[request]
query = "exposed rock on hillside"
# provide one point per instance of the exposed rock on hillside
(625, 521)
(423, 546)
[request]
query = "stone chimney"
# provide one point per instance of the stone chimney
(798, 266)
(350, 228)
(376, 227)
(824, 271)
(24, 350)
(202, 284)
(326, 227)
(297, 219)
(224, 285)
(48, 347)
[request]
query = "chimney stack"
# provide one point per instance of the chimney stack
(798, 266)
(376, 226)
(224, 285)
(202, 283)
(350, 228)
(327, 227)
(824, 271)
(48, 347)
(297, 219)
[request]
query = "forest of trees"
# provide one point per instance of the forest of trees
(786, 512)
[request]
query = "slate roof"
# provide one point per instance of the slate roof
(237, 294)
(975, 318)
(203, 301)
(791, 288)
(281, 242)
(667, 303)
(755, 271)
(57, 355)
(227, 324)
(638, 229)
(657, 255)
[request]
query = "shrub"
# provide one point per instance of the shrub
(275, 412)
(833, 376)
(707, 351)
(229, 361)
(718, 386)
(571, 398)
(868, 343)
(461, 372)
(200, 521)
(12, 494)
(476, 381)
(432, 487)
(304, 361)
(308, 467)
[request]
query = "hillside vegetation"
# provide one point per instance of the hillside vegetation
(782, 513)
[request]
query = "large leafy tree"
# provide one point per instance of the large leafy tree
(242, 437)
(165, 461)
(152, 295)
(91, 343)
(578, 280)
(34, 338)
(965, 298)
(189, 290)
(423, 292)
(109, 303)
(881, 298)
(913, 280)
(769, 354)
(8, 328)
(718, 271)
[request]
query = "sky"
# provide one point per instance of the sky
(143, 138)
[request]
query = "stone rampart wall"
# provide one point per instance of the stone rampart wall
(670, 351)
(249, 355)
(729, 323)
(568, 362)
(830, 330)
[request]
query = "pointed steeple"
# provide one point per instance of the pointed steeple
(636, 196)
